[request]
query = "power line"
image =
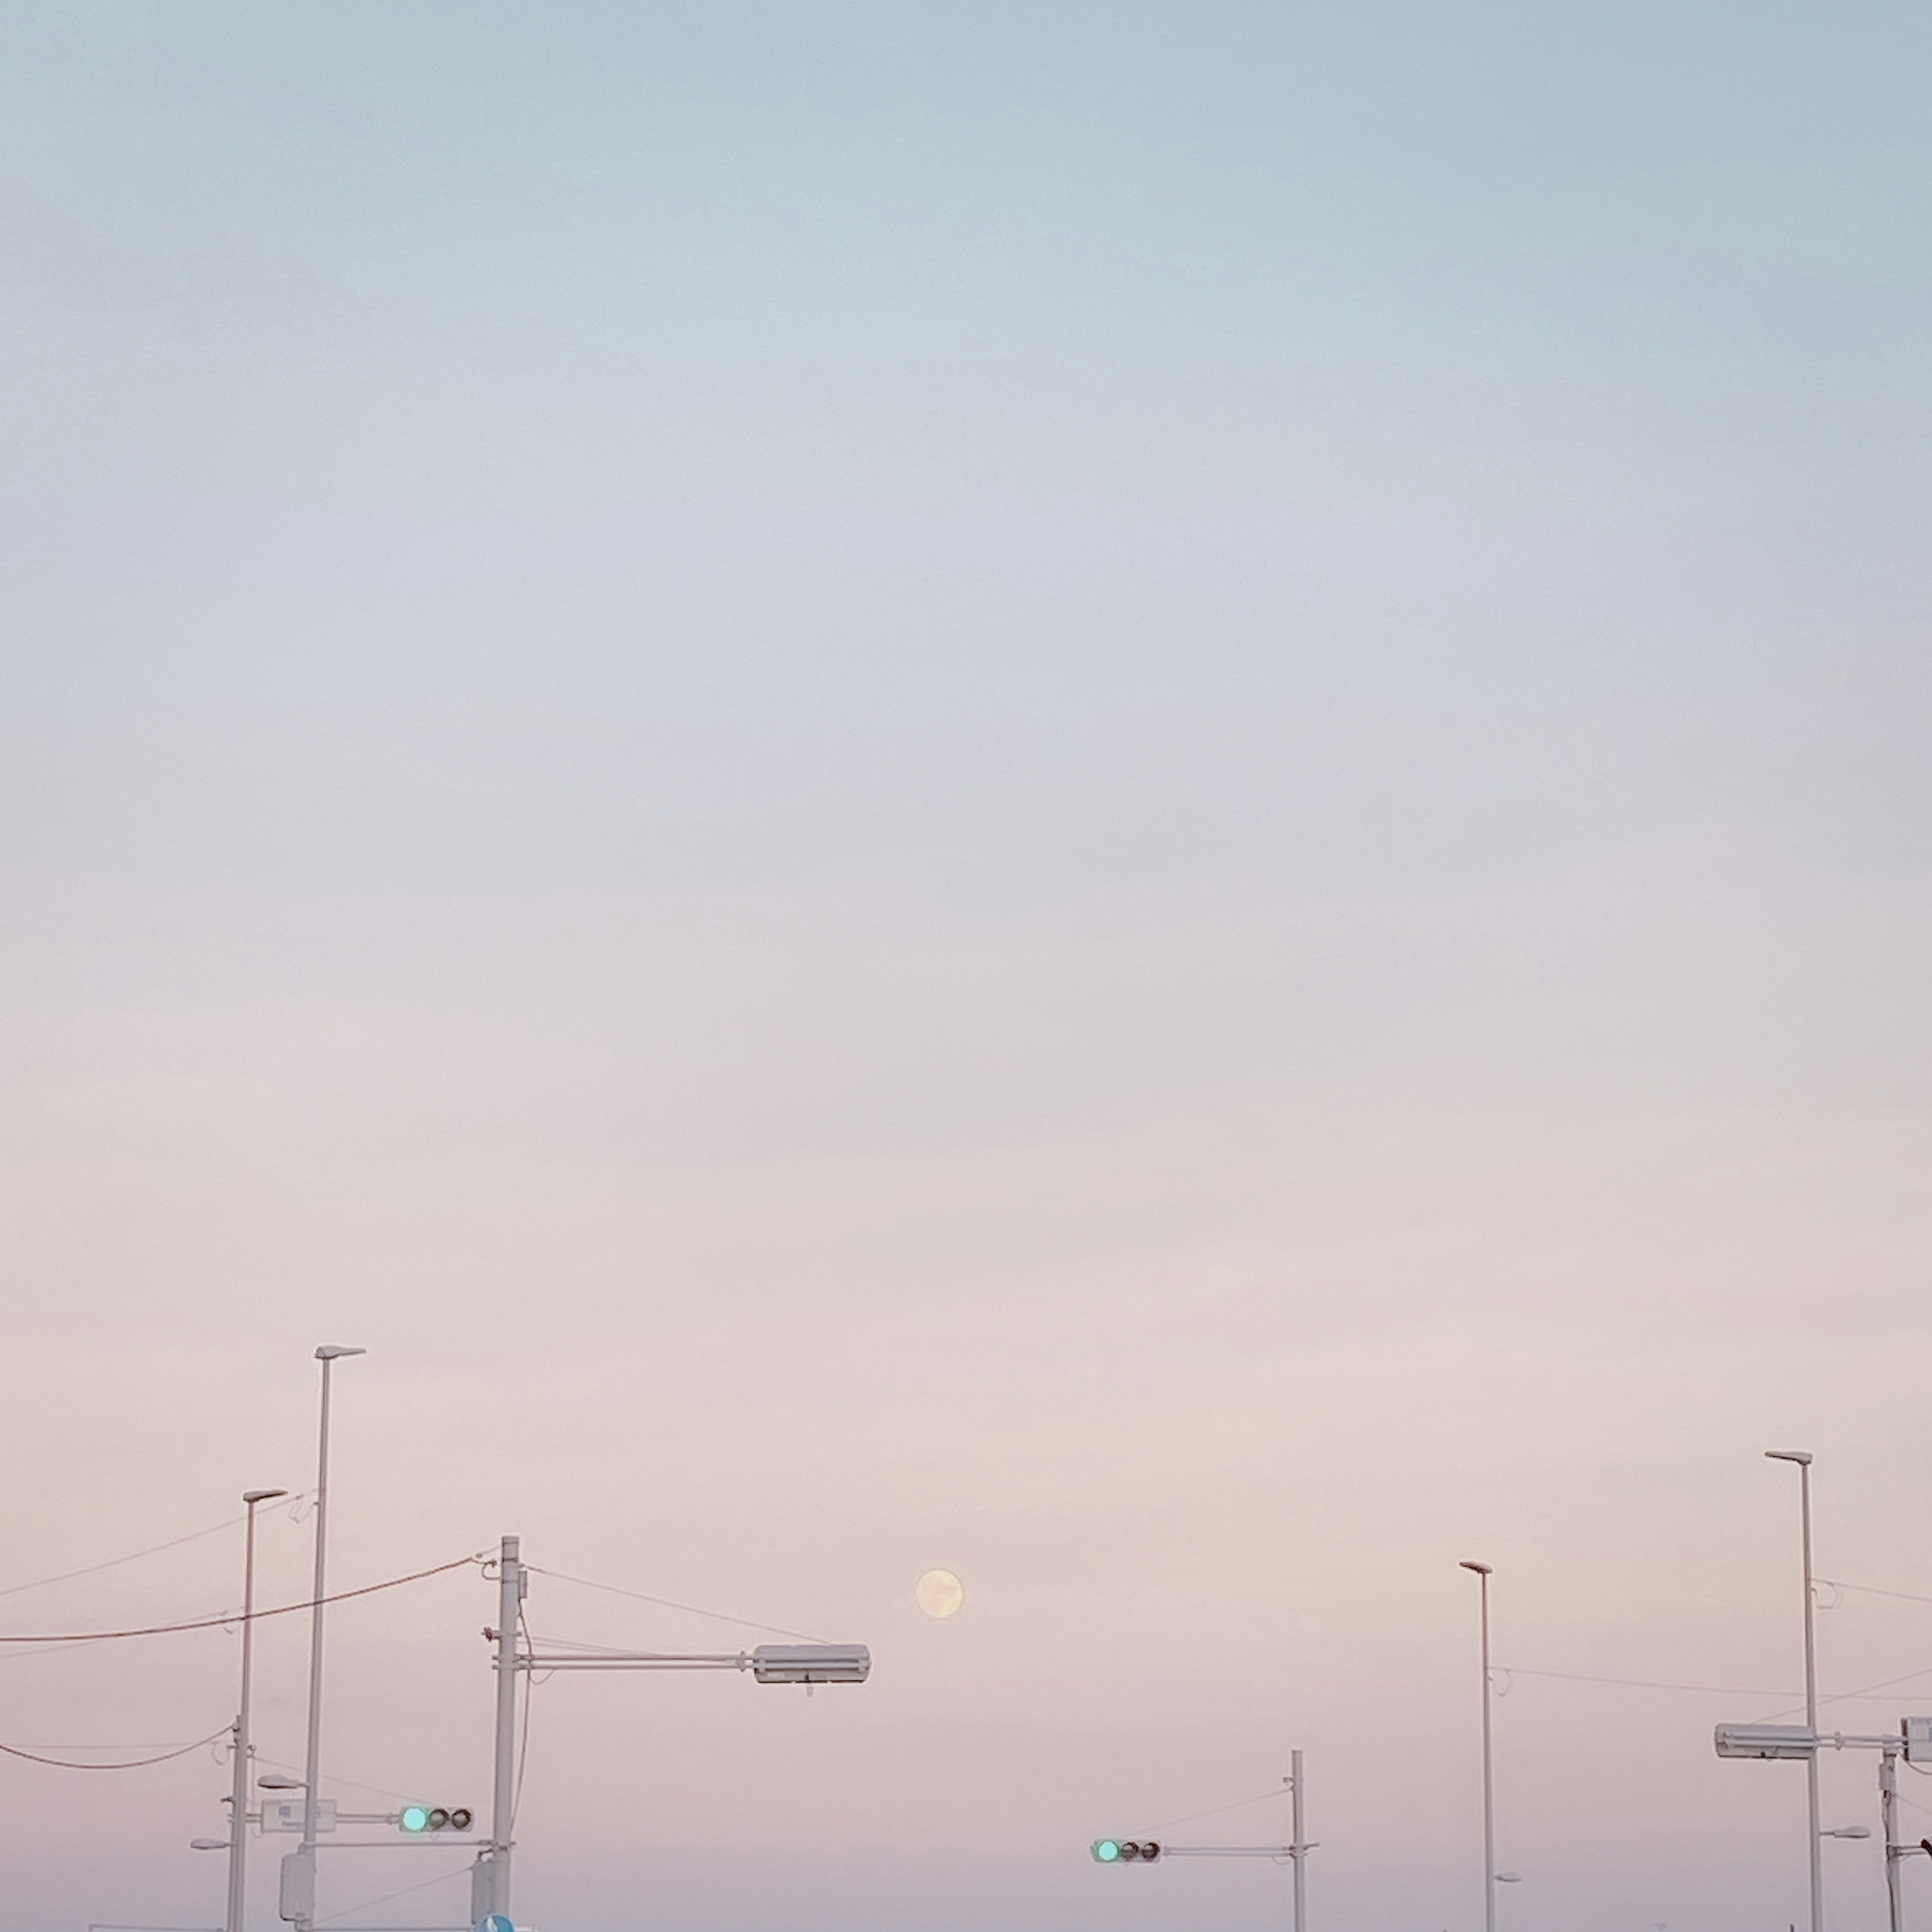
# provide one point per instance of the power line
(1711, 1689)
(1636, 1683)
(1872, 1590)
(402, 1892)
(665, 1603)
(1849, 1697)
(1215, 1810)
(234, 1616)
(336, 1778)
(135, 1555)
(129, 1764)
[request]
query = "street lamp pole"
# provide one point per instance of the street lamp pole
(303, 1917)
(238, 1801)
(1483, 1573)
(1802, 1457)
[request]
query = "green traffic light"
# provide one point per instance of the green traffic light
(415, 1818)
(1106, 1850)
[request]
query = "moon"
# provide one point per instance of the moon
(940, 1593)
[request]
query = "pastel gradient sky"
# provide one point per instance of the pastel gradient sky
(1134, 796)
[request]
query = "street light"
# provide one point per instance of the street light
(238, 1799)
(1848, 1832)
(1483, 1573)
(807, 1664)
(1802, 1457)
(298, 1902)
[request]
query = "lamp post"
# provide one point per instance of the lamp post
(1482, 1572)
(298, 1885)
(1802, 1457)
(238, 1801)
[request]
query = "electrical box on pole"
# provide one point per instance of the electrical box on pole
(298, 1888)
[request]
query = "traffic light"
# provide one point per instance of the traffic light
(1124, 1851)
(416, 1819)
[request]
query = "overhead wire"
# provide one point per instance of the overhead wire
(401, 1892)
(1634, 1683)
(1852, 1697)
(129, 1764)
(523, 1745)
(1872, 1590)
(68, 1637)
(1215, 1810)
(336, 1778)
(132, 1555)
(1871, 1690)
(666, 1603)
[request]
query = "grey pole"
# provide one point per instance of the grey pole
(1887, 1812)
(1802, 1457)
(327, 1355)
(510, 1587)
(1483, 1572)
(1299, 1850)
(238, 1800)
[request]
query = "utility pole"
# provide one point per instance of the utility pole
(1887, 1812)
(492, 1893)
(1298, 1850)
(798, 1663)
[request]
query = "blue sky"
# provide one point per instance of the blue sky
(1133, 796)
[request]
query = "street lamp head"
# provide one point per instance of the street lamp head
(207, 1844)
(276, 1781)
(331, 1352)
(1509, 1878)
(252, 1497)
(1802, 1455)
(1480, 1569)
(1848, 1832)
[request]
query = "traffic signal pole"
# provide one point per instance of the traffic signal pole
(806, 1664)
(510, 1587)
(1151, 1851)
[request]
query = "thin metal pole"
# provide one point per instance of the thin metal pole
(312, 1757)
(1299, 1850)
(1811, 1704)
(1887, 1812)
(502, 1815)
(1489, 1779)
(238, 1801)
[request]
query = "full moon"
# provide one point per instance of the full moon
(940, 1593)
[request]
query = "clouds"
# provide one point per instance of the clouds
(1135, 801)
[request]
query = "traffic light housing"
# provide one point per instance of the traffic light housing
(417, 1819)
(1124, 1851)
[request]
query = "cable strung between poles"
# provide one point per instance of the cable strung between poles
(665, 1603)
(234, 1616)
(132, 1764)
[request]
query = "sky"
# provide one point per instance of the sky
(1130, 797)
